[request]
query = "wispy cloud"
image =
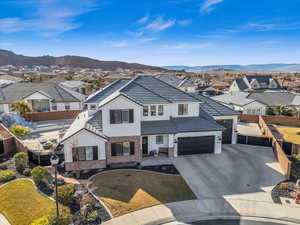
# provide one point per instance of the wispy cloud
(263, 27)
(144, 19)
(160, 24)
(6, 44)
(208, 5)
(119, 44)
(187, 46)
(51, 17)
(184, 23)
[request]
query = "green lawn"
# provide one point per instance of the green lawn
(124, 191)
(21, 204)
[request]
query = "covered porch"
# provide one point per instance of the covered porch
(158, 145)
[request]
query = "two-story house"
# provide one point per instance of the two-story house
(42, 97)
(135, 118)
(250, 83)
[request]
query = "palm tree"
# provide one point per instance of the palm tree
(21, 107)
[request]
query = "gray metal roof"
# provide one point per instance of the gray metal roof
(102, 94)
(241, 84)
(212, 107)
(19, 91)
(273, 98)
(259, 78)
(84, 121)
(229, 99)
(179, 125)
(160, 88)
(170, 79)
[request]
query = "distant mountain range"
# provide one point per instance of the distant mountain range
(10, 58)
(259, 67)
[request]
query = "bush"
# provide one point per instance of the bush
(21, 160)
(65, 194)
(296, 159)
(38, 174)
(19, 130)
(41, 221)
(3, 166)
(7, 175)
(92, 216)
(27, 172)
(64, 216)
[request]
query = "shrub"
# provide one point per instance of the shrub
(65, 194)
(21, 160)
(41, 221)
(64, 216)
(296, 159)
(22, 107)
(7, 175)
(38, 174)
(92, 216)
(27, 172)
(19, 130)
(3, 166)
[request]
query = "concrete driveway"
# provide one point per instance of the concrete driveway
(239, 172)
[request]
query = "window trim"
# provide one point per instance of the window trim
(116, 153)
(159, 142)
(67, 106)
(83, 149)
(153, 111)
(116, 116)
(54, 106)
(160, 112)
(145, 110)
(184, 110)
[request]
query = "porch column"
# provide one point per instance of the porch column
(171, 146)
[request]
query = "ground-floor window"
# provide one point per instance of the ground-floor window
(159, 139)
(85, 153)
(122, 148)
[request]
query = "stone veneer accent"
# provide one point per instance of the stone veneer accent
(137, 157)
(86, 165)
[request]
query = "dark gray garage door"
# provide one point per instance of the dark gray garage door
(196, 145)
(227, 134)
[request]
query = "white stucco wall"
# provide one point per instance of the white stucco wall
(193, 109)
(217, 134)
(234, 126)
(152, 142)
(81, 139)
(165, 116)
(124, 129)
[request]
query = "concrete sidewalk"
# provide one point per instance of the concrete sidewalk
(196, 210)
(3, 220)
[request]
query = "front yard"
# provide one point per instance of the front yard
(124, 191)
(21, 204)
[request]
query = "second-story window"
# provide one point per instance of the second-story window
(146, 110)
(182, 109)
(153, 110)
(67, 106)
(54, 106)
(160, 110)
(93, 107)
(121, 116)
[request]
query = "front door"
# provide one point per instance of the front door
(145, 145)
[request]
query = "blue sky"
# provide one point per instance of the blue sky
(155, 32)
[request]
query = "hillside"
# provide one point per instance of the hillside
(276, 67)
(10, 58)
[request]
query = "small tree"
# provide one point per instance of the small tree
(21, 107)
(21, 160)
(66, 193)
(19, 130)
(38, 174)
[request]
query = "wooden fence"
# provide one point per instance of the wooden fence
(282, 158)
(46, 116)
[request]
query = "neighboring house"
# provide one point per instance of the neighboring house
(209, 91)
(133, 118)
(43, 97)
(182, 83)
(252, 83)
(242, 103)
(75, 85)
